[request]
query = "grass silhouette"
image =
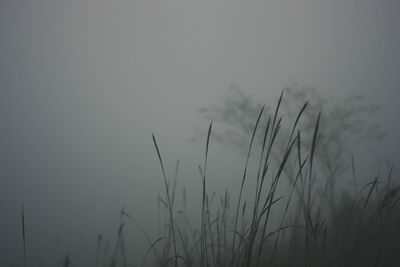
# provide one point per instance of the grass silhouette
(359, 229)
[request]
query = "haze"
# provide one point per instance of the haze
(85, 83)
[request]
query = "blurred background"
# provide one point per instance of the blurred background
(84, 84)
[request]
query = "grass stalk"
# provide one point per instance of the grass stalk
(242, 184)
(170, 208)
(23, 232)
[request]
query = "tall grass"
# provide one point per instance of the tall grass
(307, 231)
(23, 233)
(271, 228)
(170, 206)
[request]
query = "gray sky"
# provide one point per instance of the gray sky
(85, 83)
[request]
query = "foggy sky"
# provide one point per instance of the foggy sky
(85, 83)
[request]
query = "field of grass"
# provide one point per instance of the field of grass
(309, 225)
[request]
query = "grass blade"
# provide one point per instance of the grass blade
(23, 232)
(168, 198)
(203, 234)
(243, 180)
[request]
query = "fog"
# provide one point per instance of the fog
(84, 84)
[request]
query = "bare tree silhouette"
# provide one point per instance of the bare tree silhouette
(344, 124)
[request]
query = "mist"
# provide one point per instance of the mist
(85, 84)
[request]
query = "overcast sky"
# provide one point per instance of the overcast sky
(84, 84)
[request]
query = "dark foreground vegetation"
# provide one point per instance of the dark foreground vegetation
(309, 224)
